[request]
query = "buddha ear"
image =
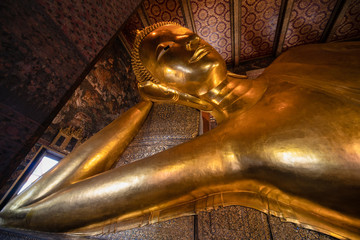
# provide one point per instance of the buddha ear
(159, 93)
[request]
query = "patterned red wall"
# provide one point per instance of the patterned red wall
(307, 21)
(130, 26)
(349, 27)
(258, 25)
(164, 10)
(212, 22)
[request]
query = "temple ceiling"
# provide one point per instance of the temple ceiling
(244, 31)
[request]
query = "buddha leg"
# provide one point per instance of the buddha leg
(94, 156)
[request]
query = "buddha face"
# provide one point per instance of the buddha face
(181, 60)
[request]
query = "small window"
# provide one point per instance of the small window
(44, 160)
(45, 164)
(71, 144)
(60, 141)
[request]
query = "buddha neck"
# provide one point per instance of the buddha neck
(235, 94)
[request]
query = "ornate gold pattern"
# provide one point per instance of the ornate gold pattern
(166, 126)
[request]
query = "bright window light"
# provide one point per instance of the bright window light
(46, 163)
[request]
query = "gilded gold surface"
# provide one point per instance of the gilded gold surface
(288, 144)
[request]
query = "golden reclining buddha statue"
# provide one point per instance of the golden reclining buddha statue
(287, 144)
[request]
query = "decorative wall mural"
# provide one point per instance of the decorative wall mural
(107, 91)
(258, 25)
(308, 21)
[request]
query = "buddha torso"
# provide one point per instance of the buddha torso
(302, 141)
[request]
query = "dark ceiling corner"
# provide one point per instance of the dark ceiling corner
(48, 49)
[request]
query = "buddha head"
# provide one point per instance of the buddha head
(172, 58)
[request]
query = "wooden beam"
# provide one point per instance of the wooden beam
(339, 18)
(236, 31)
(333, 17)
(279, 25)
(125, 43)
(282, 26)
(143, 15)
(188, 15)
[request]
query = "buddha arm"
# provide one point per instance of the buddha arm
(198, 171)
(96, 155)
(163, 180)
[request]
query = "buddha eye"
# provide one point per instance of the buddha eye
(163, 51)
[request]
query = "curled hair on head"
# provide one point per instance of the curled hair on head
(141, 73)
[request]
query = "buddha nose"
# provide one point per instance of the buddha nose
(192, 43)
